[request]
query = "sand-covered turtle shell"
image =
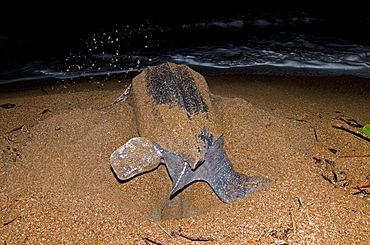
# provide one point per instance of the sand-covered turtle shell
(173, 107)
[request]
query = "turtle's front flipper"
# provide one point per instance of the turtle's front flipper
(218, 172)
(137, 156)
(140, 155)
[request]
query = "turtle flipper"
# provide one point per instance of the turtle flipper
(218, 172)
(141, 155)
(137, 156)
(179, 171)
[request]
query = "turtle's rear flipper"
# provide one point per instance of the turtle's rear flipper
(218, 172)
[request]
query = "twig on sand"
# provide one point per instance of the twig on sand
(362, 190)
(10, 221)
(121, 98)
(361, 187)
(349, 121)
(153, 239)
(15, 129)
(350, 130)
(192, 238)
(164, 230)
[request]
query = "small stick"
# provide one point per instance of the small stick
(361, 191)
(315, 134)
(10, 221)
(43, 90)
(15, 129)
(192, 238)
(352, 131)
(332, 163)
(349, 121)
(164, 231)
(121, 98)
(153, 239)
(360, 187)
(354, 156)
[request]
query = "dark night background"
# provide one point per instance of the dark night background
(32, 31)
(60, 25)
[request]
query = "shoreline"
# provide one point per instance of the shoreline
(262, 70)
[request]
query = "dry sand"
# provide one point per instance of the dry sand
(56, 185)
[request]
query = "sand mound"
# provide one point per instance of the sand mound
(68, 152)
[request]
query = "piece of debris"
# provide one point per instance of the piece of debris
(366, 129)
(361, 187)
(333, 150)
(45, 111)
(347, 128)
(362, 190)
(10, 221)
(121, 98)
(331, 173)
(8, 106)
(191, 238)
(15, 129)
(349, 121)
(153, 239)
(43, 90)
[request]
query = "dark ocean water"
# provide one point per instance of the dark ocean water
(274, 42)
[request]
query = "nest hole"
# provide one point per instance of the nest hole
(147, 197)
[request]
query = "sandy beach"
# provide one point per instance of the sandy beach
(57, 187)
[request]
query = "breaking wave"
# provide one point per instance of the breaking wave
(243, 41)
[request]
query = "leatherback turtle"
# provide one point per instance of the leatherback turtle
(177, 127)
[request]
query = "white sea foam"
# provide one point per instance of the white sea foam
(107, 53)
(299, 53)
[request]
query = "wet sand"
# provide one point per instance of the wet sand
(57, 186)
